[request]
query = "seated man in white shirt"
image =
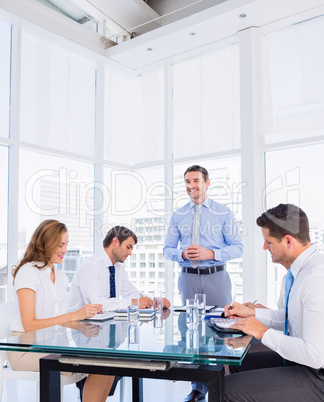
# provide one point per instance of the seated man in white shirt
(293, 370)
(92, 280)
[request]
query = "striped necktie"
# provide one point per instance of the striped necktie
(112, 281)
(195, 233)
(288, 285)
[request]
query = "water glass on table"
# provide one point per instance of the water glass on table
(201, 300)
(133, 312)
(192, 341)
(133, 337)
(192, 315)
(158, 302)
(157, 324)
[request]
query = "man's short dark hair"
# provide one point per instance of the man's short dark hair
(286, 219)
(121, 233)
(197, 168)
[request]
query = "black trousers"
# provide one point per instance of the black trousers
(264, 378)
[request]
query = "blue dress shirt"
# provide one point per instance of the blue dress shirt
(218, 232)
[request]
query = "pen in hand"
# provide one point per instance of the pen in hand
(231, 306)
(89, 301)
(233, 292)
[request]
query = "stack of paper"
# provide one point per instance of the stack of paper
(101, 317)
(145, 314)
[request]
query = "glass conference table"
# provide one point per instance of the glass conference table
(162, 348)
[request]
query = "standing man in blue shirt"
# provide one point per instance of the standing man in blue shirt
(208, 237)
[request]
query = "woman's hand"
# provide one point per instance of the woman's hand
(90, 330)
(87, 311)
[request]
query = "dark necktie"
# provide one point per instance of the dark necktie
(112, 281)
(288, 285)
(112, 336)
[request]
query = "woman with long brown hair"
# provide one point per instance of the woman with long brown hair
(41, 290)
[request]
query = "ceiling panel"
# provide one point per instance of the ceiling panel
(208, 26)
(131, 15)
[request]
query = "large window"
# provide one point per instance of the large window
(5, 54)
(5, 44)
(134, 118)
(136, 200)
(293, 82)
(3, 220)
(206, 103)
(293, 109)
(51, 187)
(297, 179)
(57, 97)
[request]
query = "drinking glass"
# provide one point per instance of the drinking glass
(201, 300)
(158, 325)
(133, 337)
(192, 341)
(133, 312)
(158, 302)
(192, 319)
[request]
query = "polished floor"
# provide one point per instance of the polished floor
(154, 390)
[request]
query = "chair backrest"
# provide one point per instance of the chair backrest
(7, 312)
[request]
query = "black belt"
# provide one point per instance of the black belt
(203, 271)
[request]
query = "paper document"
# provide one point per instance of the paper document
(224, 324)
(101, 317)
(144, 314)
(209, 309)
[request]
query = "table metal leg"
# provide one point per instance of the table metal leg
(50, 383)
(216, 387)
(137, 388)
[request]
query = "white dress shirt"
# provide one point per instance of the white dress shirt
(91, 280)
(50, 297)
(305, 343)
